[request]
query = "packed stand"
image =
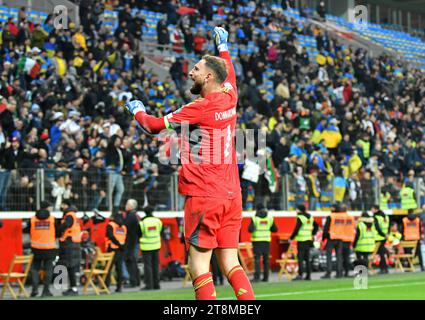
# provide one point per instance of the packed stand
(341, 126)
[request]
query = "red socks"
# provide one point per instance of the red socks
(204, 287)
(240, 283)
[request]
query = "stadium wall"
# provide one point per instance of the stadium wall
(11, 235)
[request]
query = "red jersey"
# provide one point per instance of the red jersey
(208, 156)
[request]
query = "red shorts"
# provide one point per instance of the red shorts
(212, 222)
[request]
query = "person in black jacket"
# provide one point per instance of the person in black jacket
(131, 221)
(115, 166)
(116, 243)
(6, 118)
(330, 245)
(411, 216)
(14, 155)
(303, 246)
(382, 233)
(69, 249)
(163, 33)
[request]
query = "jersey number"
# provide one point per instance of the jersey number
(228, 141)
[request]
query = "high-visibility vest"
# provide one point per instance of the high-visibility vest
(337, 226)
(408, 200)
(365, 147)
(383, 201)
(349, 230)
(412, 229)
(119, 232)
(384, 224)
(151, 234)
(262, 229)
(366, 241)
(74, 232)
(43, 233)
(305, 233)
(394, 236)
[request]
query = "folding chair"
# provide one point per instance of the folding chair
(372, 258)
(21, 277)
(246, 257)
(187, 276)
(410, 245)
(99, 269)
(289, 262)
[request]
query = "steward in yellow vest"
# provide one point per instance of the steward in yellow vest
(364, 243)
(382, 226)
(304, 231)
(408, 198)
(150, 243)
(261, 227)
(384, 197)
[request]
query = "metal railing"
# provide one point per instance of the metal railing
(88, 189)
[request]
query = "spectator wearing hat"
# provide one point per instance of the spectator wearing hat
(71, 126)
(44, 248)
(45, 142)
(303, 233)
(261, 227)
(55, 131)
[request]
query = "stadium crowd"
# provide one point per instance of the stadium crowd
(344, 118)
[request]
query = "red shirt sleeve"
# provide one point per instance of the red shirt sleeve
(150, 123)
(231, 76)
(190, 113)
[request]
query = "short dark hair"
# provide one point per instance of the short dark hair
(218, 66)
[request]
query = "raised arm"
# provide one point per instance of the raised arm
(220, 38)
(190, 114)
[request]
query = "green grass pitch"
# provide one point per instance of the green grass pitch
(387, 287)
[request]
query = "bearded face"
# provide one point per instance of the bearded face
(197, 87)
(197, 74)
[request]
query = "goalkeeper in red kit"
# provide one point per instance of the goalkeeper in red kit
(210, 182)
